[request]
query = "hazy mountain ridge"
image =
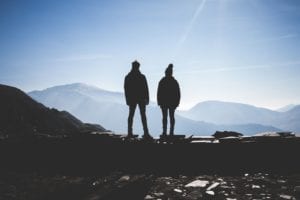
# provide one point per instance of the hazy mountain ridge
(109, 109)
(290, 120)
(229, 113)
(77, 91)
(286, 108)
(22, 115)
(236, 113)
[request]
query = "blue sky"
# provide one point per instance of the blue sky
(242, 51)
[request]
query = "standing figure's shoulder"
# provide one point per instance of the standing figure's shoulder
(163, 79)
(142, 76)
(127, 76)
(175, 80)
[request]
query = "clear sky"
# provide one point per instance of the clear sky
(244, 51)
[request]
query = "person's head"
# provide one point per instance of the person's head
(135, 66)
(169, 70)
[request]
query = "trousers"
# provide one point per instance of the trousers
(132, 109)
(165, 111)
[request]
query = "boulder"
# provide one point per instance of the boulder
(224, 134)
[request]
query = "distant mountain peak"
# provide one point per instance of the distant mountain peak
(79, 87)
(74, 86)
(217, 103)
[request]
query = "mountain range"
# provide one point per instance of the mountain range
(95, 105)
(236, 113)
(21, 115)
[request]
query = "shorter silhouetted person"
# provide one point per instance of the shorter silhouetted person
(136, 93)
(168, 98)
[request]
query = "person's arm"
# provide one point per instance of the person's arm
(126, 90)
(178, 94)
(158, 96)
(146, 91)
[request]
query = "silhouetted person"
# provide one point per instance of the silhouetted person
(168, 98)
(136, 93)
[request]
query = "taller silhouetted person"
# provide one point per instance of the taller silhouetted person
(136, 93)
(168, 98)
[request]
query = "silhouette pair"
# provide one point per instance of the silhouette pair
(137, 93)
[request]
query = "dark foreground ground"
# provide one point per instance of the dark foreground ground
(99, 168)
(118, 185)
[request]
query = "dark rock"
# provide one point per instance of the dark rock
(276, 134)
(117, 185)
(223, 134)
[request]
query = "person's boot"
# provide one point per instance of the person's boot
(146, 133)
(129, 133)
(147, 136)
(172, 131)
(163, 135)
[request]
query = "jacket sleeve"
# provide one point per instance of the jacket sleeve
(126, 90)
(178, 95)
(146, 91)
(158, 97)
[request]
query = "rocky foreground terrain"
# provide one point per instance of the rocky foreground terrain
(117, 185)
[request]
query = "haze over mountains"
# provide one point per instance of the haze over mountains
(94, 105)
(236, 113)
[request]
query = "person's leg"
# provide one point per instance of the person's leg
(164, 111)
(144, 118)
(130, 118)
(172, 120)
